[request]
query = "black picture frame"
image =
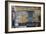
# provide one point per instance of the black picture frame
(6, 16)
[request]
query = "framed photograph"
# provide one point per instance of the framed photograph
(23, 16)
